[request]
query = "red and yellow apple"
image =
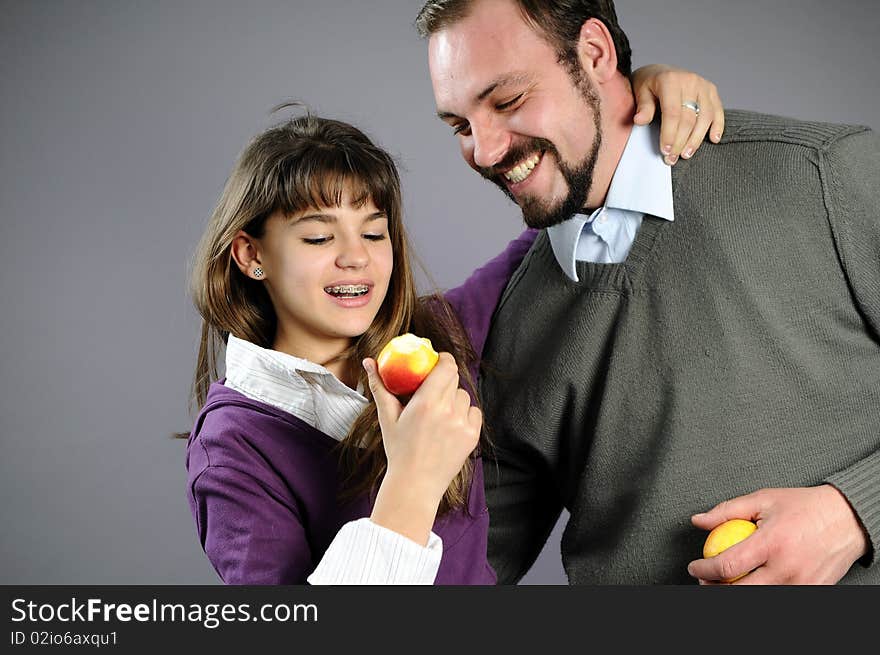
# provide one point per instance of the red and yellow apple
(405, 362)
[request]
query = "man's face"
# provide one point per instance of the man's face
(521, 118)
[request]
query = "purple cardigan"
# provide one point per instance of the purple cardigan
(263, 484)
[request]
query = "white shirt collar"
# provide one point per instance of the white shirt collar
(302, 388)
(642, 183)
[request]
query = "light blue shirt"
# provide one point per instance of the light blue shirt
(642, 184)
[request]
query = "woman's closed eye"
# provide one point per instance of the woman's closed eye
(317, 241)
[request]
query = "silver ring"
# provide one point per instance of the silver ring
(688, 104)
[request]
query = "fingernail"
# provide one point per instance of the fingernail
(687, 153)
(670, 160)
(667, 150)
(368, 366)
(717, 137)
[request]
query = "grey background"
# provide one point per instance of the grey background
(119, 122)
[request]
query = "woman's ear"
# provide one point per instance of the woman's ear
(246, 255)
(596, 51)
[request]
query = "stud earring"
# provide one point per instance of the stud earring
(258, 272)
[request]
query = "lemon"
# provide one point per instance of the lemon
(725, 535)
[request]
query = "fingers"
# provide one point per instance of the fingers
(441, 396)
(682, 129)
(710, 119)
(441, 383)
(672, 88)
(475, 418)
(462, 412)
(737, 561)
(462, 401)
(716, 130)
(763, 575)
(697, 133)
(646, 105)
(387, 404)
(687, 120)
(645, 84)
(747, 507)
(471, 416)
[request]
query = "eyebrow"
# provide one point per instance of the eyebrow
(331, 218)
(502, 81)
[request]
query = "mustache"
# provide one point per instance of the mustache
(516, 154)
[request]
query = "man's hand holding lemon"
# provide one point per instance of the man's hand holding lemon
(805, 535)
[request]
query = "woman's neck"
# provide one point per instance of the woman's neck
(325, 354)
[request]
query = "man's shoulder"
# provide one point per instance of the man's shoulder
(749, 126)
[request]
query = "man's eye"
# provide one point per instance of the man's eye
(510, 103)
(463, 129)
(316, 241)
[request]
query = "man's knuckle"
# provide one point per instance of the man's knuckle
(730, 567)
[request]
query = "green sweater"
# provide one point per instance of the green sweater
(737, 348)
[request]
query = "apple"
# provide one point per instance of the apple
(405, 362)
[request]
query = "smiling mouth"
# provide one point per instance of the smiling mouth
(348, 290)
(523, 170)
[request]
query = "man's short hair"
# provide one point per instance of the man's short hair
(558, 21)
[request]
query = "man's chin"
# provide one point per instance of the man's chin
(537, 214)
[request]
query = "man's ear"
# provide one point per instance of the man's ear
(246, 255)
(596, 51)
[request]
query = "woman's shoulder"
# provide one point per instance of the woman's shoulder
(231, 428)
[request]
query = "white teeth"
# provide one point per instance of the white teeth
(522, 170)
(348, 290)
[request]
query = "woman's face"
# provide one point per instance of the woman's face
(327, 271)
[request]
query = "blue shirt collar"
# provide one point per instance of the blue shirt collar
(642, 183)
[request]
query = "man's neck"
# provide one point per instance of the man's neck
(618, 109)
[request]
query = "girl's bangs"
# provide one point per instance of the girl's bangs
(323, 177)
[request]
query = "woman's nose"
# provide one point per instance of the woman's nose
(353, 254)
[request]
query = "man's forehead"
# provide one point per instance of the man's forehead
(472, 57)
(488, 26)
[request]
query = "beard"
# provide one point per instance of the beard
(540, 212)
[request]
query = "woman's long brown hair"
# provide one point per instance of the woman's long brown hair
(309, 162)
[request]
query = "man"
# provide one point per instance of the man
(677, 340)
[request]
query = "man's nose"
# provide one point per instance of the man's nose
(490, 143)
(353, 253)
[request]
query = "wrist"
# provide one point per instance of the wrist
(405, 508)
(857, 543)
